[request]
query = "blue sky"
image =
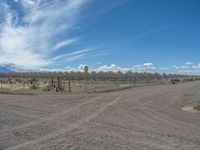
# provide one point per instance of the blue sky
(137, 35)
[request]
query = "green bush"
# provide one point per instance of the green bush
(197, 108)
(188, 80)
(34, 86)
(57, 89)
(48, 88)
(60, 88)
(175, 81)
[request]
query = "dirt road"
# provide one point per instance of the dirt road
(148, 118)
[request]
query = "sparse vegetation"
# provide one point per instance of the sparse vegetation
(197, 107)
(47, 88)
(175, 81)
(34, 86)
(96, 81)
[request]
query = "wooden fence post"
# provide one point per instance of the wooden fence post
(24, 85)
(86, 77)
(52, 83)
(69, 84)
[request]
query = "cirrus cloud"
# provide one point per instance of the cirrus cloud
(28, 37)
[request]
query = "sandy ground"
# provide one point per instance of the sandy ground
(148, 118)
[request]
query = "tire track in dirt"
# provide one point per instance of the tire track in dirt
(67, 129)
(145, 137)
(31, 113)
(123, 135)
(51, 117)
(145, 113)
(147, 118)
(161, 117)
(148, 113)
(142, 112)
(126, 143)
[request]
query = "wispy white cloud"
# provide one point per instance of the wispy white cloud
(189, 63)
(71, 56)
(188, 68)
(99, 63)
(64, 43)
(27, 3)
(148, 64)
(27, 39)
(196, 67)
(113, 68)
(163, 68)
(180, 67)
(154, 31)
(144, 67)
(16, 1)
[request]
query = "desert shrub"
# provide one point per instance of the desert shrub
(197, 108)
(188, 80)
(175, 81)
(34, 86)
(60, 88)
(57, 89)
(47, 88)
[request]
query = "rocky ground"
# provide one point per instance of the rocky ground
(145, 118)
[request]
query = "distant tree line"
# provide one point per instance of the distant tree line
(95, 75)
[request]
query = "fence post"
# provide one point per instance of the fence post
(52, 83)
(69, 84)
(24, 85)
(86, 77)
(134, 82)
(59, 84)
